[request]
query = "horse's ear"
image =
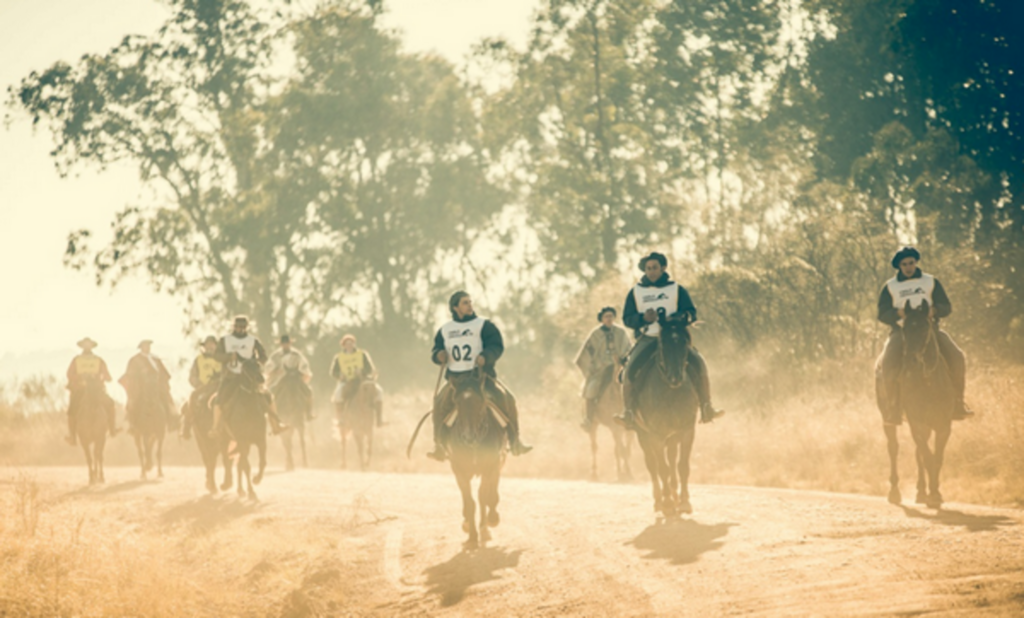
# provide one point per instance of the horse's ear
(906, 305)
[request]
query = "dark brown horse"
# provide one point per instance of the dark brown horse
(147, 414)
(476, 447)
(356, 418)
(667, 415)
(927, 400)
(608, 405)
(210, 448)
(245, 413)
(292, 398)
(91, 427)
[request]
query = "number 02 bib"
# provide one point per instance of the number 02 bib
(463, 342)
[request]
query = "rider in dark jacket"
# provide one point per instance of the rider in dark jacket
(657, 294)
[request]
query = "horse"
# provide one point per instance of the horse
(292, 398)
(357, 417)
(476, 447)
(927, 399)
(210, 448)
(246, 421)
(667, 415)
(91, 427)
(608, 405)
(148, 418)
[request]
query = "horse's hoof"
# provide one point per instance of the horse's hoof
(485, 535)
(211, 487)
(226, 485)
(685, 507)
(241, 492)
(256, 479)
(934, 501)
(471, 544)
(252, 496)
(894, 496)
(922, 498)
(493, 519)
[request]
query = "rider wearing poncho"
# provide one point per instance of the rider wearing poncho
(243, 357)
(916, 287)
(605, 349)
(86, 370)
(287, 360)
(348, 367)
(204, 376)
(467, 343)
(657, 295)
(144, 369)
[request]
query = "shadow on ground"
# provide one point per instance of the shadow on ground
(680, 541)
(450, 580)
(204, 514)
(973, 523)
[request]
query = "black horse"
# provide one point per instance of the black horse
(147, 414)
(91, 427)
(292, 397)
(667, 415)
(210, 448)
(927, 399)
(476, 446)
(246, 421)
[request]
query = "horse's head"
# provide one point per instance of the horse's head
(673, 348)
(919, 343)
(470, 403)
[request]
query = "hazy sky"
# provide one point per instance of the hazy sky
(47, 308)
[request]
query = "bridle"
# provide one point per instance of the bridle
(931, 340)
(662, 363)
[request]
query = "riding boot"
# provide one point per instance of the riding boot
(276, 426)
(218, 412)
(588, 421)
(628, 418)
(515, 445)
(697, 371)
(439, 453)
(72, 437)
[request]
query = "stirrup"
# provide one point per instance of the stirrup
(438, 454)
(709, 413)
(518, 448)
(963, 413)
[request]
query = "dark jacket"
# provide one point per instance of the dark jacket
(632, 318)
(494, 345)
(887, 314)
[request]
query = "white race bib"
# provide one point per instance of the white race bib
(666, 298)
(245, 347)
(463, 342)
(915, 290)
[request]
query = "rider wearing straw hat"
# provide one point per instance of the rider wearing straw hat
(88, 369)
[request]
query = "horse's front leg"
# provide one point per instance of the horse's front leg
(261, 451)
(593, 451)
(922, 454)
(683, 467)
(464, 478)
(302, 443)
(89, 462)
(941, 440)
(652, 451)
(160, 457)
(893, 446)
(141, 448)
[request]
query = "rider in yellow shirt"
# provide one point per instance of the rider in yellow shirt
(349, 366)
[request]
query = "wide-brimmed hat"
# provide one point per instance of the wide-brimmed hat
(604, 310)
(144, 342)
(653, 255)
(904, 253)
(87, 344)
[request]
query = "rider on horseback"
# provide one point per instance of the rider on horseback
(657, 295)
(243, 357)
(204, 378)
(605, 349)
(86, 370)
(912, 286)
(145, 369)
(348, 367)
(466, 343)
(287, 360)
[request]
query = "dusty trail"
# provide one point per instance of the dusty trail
(390, 544)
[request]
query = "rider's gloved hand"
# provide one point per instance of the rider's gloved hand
(480, 361)
(650, 316)
(441, 356)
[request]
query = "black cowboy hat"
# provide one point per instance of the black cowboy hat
(653, 255)
(604, 310)
(903, 253)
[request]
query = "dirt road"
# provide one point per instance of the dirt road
(334, 543)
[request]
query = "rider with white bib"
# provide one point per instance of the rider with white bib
(243, 356)
(466, 343)
(657, 295)
(916, 287)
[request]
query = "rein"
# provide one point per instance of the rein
(930, 341)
